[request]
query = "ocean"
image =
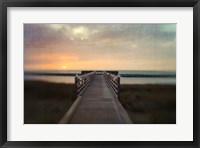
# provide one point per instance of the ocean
(123, 80)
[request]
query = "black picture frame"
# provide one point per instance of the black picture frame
(4, 4)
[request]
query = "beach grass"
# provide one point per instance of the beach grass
(149, 104)
(46, 102)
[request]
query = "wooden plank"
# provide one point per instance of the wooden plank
(99, 105)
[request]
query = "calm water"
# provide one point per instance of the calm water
(57, 79)
(147, 72)
(148, 80)
(70, 79)
(56, 71)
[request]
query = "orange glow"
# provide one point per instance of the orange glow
(100, 65)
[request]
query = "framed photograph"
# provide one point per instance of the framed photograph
(104, 73)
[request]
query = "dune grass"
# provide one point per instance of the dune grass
(46, 102)
(152, 104)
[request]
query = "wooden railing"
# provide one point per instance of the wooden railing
(114, 82)
(82, 81)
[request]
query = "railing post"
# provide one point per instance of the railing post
(118, 86)
(76, 87)
(82, 81)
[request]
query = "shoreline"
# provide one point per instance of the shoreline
(121, 75)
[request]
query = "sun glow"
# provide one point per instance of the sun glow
(64, 67)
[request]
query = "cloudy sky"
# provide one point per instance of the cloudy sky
(100, 46)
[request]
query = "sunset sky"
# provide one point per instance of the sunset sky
(100, 46)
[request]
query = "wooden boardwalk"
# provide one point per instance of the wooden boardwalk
(99, 105)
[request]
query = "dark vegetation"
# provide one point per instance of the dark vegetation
(46, 102)
(152, 104)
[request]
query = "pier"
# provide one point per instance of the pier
(97, 100)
